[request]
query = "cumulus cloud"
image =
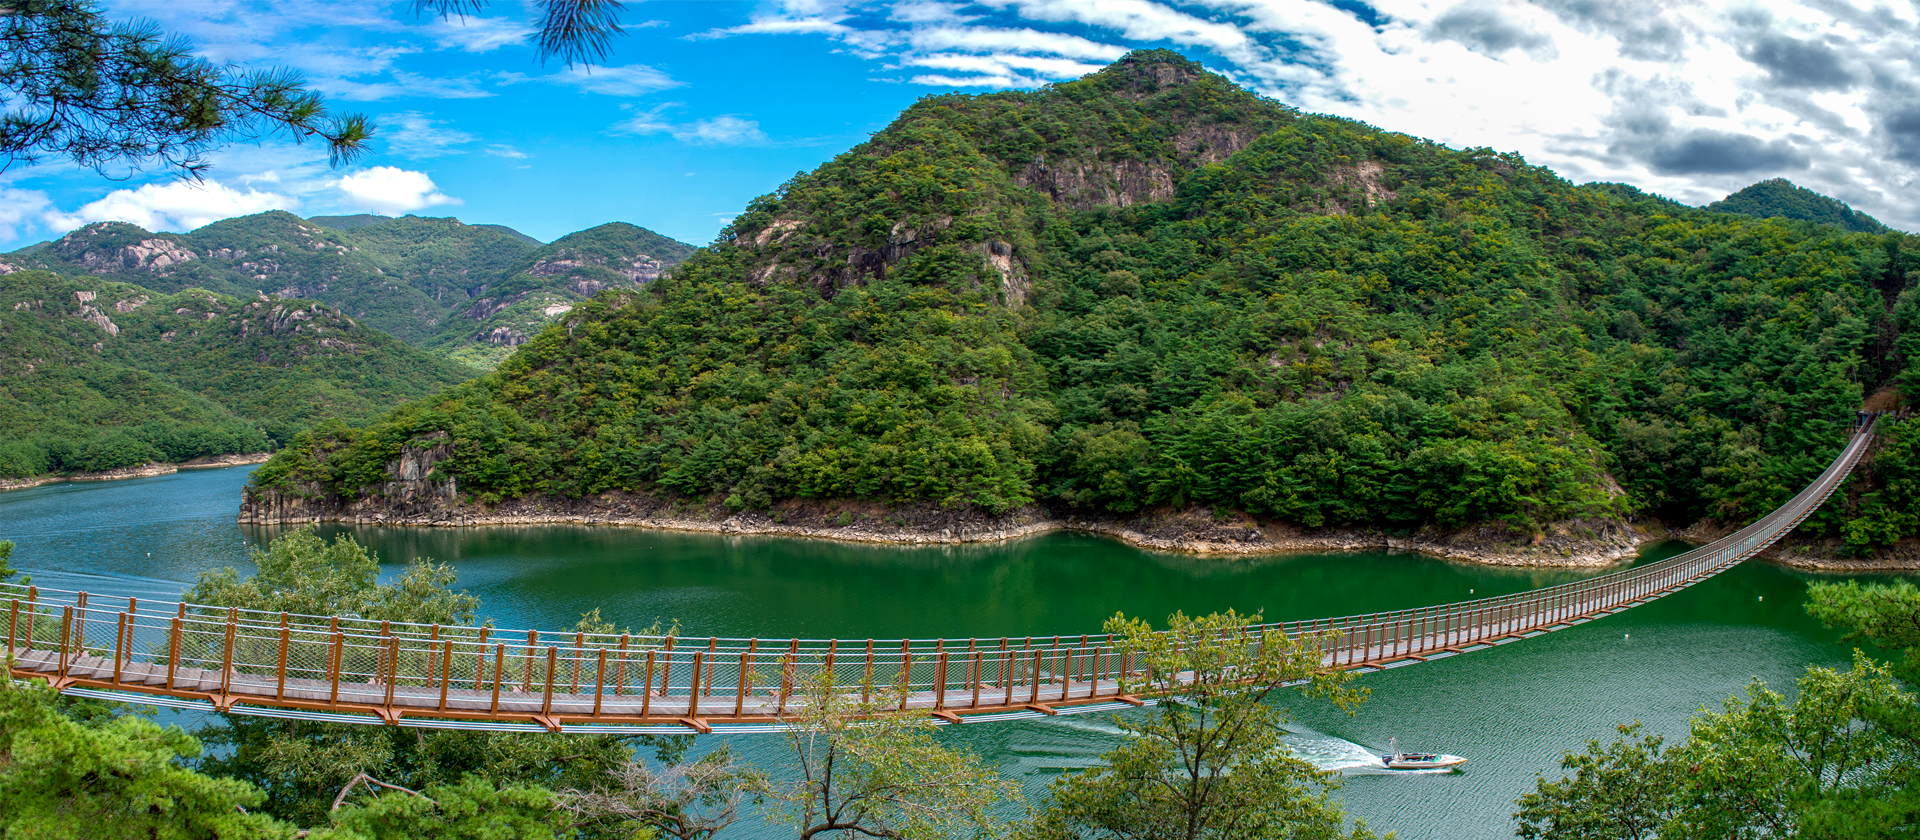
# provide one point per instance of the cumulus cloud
(389, 190)
(1487, 28)
(20, 209)
(177, 206)
(1690, 99)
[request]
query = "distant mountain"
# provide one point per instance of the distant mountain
(1148, 294)
(1779, 198)
(431, 282)
(361, 220)
(97, 374)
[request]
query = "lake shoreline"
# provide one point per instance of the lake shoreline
(147, 470)
(1580, 544)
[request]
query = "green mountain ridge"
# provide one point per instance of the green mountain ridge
(98, 374)
(1779, 198)
(1150, 290)
(414, 277)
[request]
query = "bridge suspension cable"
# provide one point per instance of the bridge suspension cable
(354, 670)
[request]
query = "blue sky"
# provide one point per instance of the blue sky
(704, 105)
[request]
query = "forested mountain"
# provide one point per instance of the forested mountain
(97, 374)
(435, 283)
(1779, 198)
(1150, 289)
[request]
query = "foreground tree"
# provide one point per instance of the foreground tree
(671, 797)
(1841, 759)
(118, 776)
(301, 765)
(1207, 762)
(1885, 614)
(868, 771)
(101, 94)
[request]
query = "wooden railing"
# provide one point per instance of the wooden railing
(350, 668)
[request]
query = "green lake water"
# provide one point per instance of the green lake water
(1512, 710)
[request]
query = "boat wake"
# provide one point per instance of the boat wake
(1066, 743)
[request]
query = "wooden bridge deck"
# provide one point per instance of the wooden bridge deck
(349, 669)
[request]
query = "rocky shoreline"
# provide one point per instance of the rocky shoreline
(138, 471)
(413, 500)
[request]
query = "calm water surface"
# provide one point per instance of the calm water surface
(1512, 710)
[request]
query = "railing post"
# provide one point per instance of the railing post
(446, 671)
(579, 648)
(533, 641)
(866, 686)
(620, 669)
(546, 695)
(336, 661)
(666, 669)
(646, 694)
(173, 652)
(33, 612)
(976, 675)
(119, 646)
(940, 682)
(1034, 694)
(906, 672)
(226, 653)
(480, 659)
(740, 690)
(693, 694)
(599, 682)
(393, 667)
(286, 639)
(499, 664)
(787, 673)
(66, 628)
(13, 625)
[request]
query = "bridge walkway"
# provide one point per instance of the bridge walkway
(346, 669)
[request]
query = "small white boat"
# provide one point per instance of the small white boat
(1397, 760)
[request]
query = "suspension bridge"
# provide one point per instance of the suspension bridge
(353, 670)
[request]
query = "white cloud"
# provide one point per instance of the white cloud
(1689, 98)
(177, 206)
(724, 130)
(986, 39)
(630, 80)
(506, 151)
(389, 190)
(478, 34)
(411, 134)
(20, 209)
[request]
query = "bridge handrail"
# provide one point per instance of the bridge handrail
(357, 627)
(253, 655)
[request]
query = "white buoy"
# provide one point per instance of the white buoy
(1626, 636)
(1761, 598)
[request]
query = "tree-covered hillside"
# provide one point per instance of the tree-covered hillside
(430, 282)
(1149, 288)
(98, 374)
(1779, 198)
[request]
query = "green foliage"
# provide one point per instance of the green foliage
(61, 780)
(470, 809)
(1620, 791)
(301, 573)
(1836, 761)
(180, 376)
(1149, 288)
(301, 765)
(1779, 198)
(867, 771)
(1885, 614)
(1208, 762)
